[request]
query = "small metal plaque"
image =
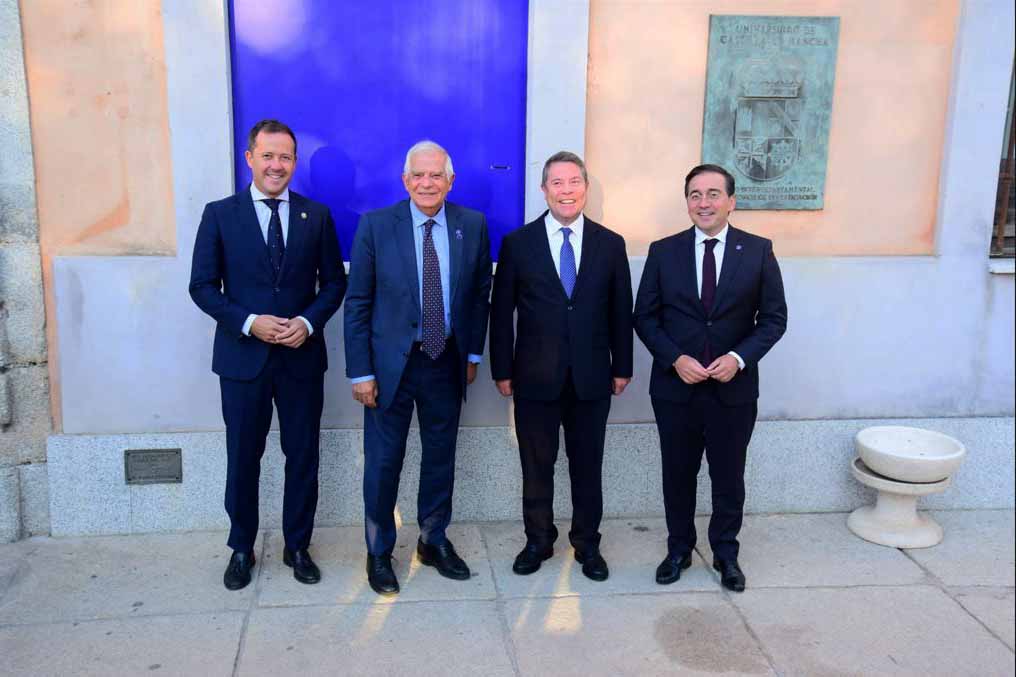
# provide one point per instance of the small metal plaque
(153, 466)
(769, 96)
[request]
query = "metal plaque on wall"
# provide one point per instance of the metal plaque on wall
(769, 95)
(153, 466)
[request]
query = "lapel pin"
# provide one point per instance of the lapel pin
(458, 234)
(303, 215)
(738, 247)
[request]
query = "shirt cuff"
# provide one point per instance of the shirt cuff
(362, 379)
(740, 362)
(248, 323)
(475, 359)
(310, 327)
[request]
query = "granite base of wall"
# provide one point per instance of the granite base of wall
(10, 505)
(793, 466)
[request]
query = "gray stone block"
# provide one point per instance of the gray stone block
(16, 448)
(19, 222)
(24, 440)
(195, 503)
(34, 499)
(199, 644)
(80, 579)
(978, 548)
(87, 491)
(793, 466)
(994, 607)
(6, 410)
(689, 634)
(812, 551)
(10, 505)
(878, 630)
(446, 637)
(22, 293)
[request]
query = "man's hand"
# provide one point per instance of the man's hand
(504, 387)
(294, 335)
(366, 393)
(470, 372)
(268, 327)
(620, 384)
(723, 368)
(690, 370)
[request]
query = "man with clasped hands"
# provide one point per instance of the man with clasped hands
(710, 305)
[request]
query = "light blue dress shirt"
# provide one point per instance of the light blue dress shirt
(439, 234)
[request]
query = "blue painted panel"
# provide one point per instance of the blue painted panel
(360, 82)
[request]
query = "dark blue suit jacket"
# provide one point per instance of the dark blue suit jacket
(232, 277)
(589, 333)
(749, 313)
(382, 312)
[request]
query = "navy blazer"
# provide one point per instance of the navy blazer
(749, 313)
(590, 333)
(382, 314)
(232, 277)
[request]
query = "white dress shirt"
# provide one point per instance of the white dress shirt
(718, 249)
(264, 214)
(556, 239)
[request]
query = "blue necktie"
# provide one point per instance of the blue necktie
(276, 245)
(568, 273)
(433, 299)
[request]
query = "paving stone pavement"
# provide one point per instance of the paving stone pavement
(819, 602)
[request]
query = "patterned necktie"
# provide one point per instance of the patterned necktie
(276, 245)
(433, 300)
(708, 291)
(568, 273)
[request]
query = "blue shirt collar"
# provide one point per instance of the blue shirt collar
(419, 218)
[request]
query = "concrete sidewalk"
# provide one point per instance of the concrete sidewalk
(819, 602)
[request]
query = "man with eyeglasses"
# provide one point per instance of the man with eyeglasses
(710, 305)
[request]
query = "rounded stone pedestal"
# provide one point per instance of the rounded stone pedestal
(894, 520)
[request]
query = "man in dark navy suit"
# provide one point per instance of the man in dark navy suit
(568, 279)
(710, 305)
(415, 325)
(268, 268)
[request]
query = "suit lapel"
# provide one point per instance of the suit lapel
(733, 248)
(686, 259)
(590, 244)
(250, 229)
(540, 244)
(403, 236)
(297, 233)
(454, 249)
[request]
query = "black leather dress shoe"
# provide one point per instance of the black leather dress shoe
(304, 569)
(730, 574)
(529, 560)
(381, 576)
(670, 569)
(593, 565)
(443, 558)
(237, 573)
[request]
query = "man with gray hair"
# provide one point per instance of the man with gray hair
(415, 326)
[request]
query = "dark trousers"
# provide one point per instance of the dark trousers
(435, 387)
(537, 424)
(247, 412)
(723, 432)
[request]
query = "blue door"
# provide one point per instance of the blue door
(360, 82)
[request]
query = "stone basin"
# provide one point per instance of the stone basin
(909, 454)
